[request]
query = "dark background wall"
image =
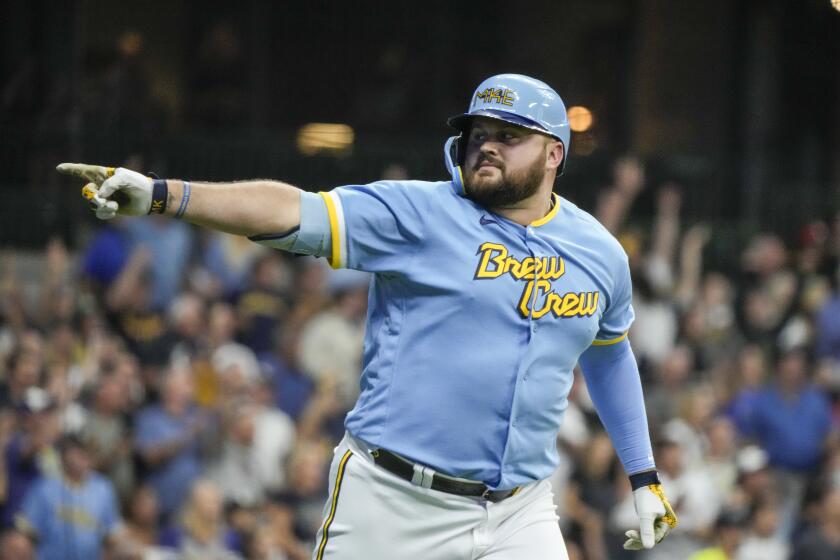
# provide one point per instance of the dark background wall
(736, 100)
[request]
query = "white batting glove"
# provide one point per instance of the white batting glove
(656, 518)
(131, 191)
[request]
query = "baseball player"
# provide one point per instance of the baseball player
(487, 290)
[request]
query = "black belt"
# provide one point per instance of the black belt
(405, 469)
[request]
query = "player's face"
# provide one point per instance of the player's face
(504, 163)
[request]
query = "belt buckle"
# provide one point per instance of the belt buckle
(486, 494)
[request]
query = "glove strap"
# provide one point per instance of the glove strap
(160, 194)
(642, 479)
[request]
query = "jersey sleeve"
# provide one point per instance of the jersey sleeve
(310, 237)
(619, 314)
(375, 227)
(612, 377)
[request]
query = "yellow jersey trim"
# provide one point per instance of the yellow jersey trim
(548, 217)
(335, 255)
(336, 489)
(610, 341)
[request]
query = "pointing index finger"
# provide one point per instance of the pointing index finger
(94, 173)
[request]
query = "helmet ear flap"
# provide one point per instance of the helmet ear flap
(453, 156)
(457, 152)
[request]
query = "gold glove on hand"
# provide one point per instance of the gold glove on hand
(112, 191)
(656, 518)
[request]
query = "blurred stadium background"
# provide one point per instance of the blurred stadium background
(207, 378)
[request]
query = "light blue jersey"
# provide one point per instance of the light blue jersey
(70, 522)
(475, 323)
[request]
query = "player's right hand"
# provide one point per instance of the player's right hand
(112, 191)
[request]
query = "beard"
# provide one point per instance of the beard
(506, 190)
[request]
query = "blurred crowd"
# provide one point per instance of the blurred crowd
(170, 392)
(741, 372)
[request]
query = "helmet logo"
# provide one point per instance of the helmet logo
(501, 96)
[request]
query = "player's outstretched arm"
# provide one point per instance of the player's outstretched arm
(243, 208)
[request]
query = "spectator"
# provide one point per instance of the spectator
(615, 201)
(696, 409)
(229, 258)
(828, 329)
(237, 370)
(221, 325)
(187, 322)
(761, 541)
(274, 439)
(132, 313)
(263, 545)
(140, 535)
(583, 525)
(756, 483)
(324, 412)
(791, 420)
(729, 530)
(24, 371)
(720, 456)
(106, 433)
(261, 305)
(305, 492)
(822, 540)
(106, 255)
(708, 323)
(770, 289)
(596, 474)
(235, 470)
(200, 531)
(655, 327)
(280, 521)
(31, 452)
(73, 517)
(7, 432)
(749, 378)
(55, 298)
(166, 439)
(169, 244)
(291, 388)
(311, 290)
(571, 442)
(672, 375)
(331, 342)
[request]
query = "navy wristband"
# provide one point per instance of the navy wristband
(160, 192)
(644, 478)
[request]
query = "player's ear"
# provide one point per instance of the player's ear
(555, 154)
